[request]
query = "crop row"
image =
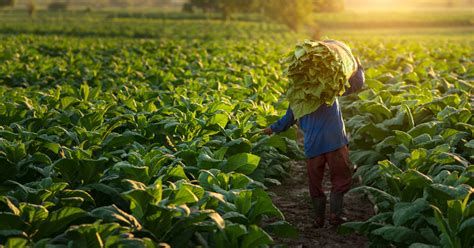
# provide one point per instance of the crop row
(142, 144)
(108, 142)
(412, 139)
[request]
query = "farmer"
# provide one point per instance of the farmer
(325, 142)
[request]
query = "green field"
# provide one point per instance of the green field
(146, 132)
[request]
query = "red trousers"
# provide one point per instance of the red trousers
(339, 168)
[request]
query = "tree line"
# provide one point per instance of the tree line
(292, 13)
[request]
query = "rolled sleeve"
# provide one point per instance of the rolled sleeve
(284, 123)
(356, 81)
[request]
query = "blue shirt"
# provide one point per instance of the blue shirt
(323, 129)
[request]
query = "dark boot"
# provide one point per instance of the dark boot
(336, 204)
(319, 204)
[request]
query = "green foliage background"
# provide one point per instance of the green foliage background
(146, 132)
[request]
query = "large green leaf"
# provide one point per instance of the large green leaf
(243, 201)
(33, 214)
(139, 200)
(238, 146)
(59, 220)
(380, 195)
(256, 237)
(243, 162)
(380, 111)
(133, 172)
(92, 121)
(115, 215)
(11, 225)
(14, 151)
(445, 192)
(80, 171)
(398, 234)
(184, 195)
(377, 132)
(415, 178)
(16, 242)
(365, 157)
(204, 161)
(467, 225)
(424, 128)
(282, 229)
(219, 119)
(277, 142)
(262, 205)
(405, 211)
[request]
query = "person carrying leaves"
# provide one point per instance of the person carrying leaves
(318, 72)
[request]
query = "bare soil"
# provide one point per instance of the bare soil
(292, 198)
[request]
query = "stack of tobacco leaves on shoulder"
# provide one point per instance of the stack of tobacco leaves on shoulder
(318, 71)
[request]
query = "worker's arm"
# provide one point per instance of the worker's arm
(356, 80)
(283, 124)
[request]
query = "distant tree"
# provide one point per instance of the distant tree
(292, 13)
(31, 7)
(229, 7)
(188, 8)
(7, 3)
(58, 5)
(121, 3)
(204, 5)
(225, 7)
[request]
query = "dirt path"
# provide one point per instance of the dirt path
(292, 198)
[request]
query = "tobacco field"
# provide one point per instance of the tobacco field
(148, 134)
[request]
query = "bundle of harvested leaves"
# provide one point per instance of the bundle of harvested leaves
(318, 71)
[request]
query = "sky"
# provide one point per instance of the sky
(407, 4)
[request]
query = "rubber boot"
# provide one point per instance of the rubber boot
(336, 205)
(319, 205)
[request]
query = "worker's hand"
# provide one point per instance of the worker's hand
(267, 131)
